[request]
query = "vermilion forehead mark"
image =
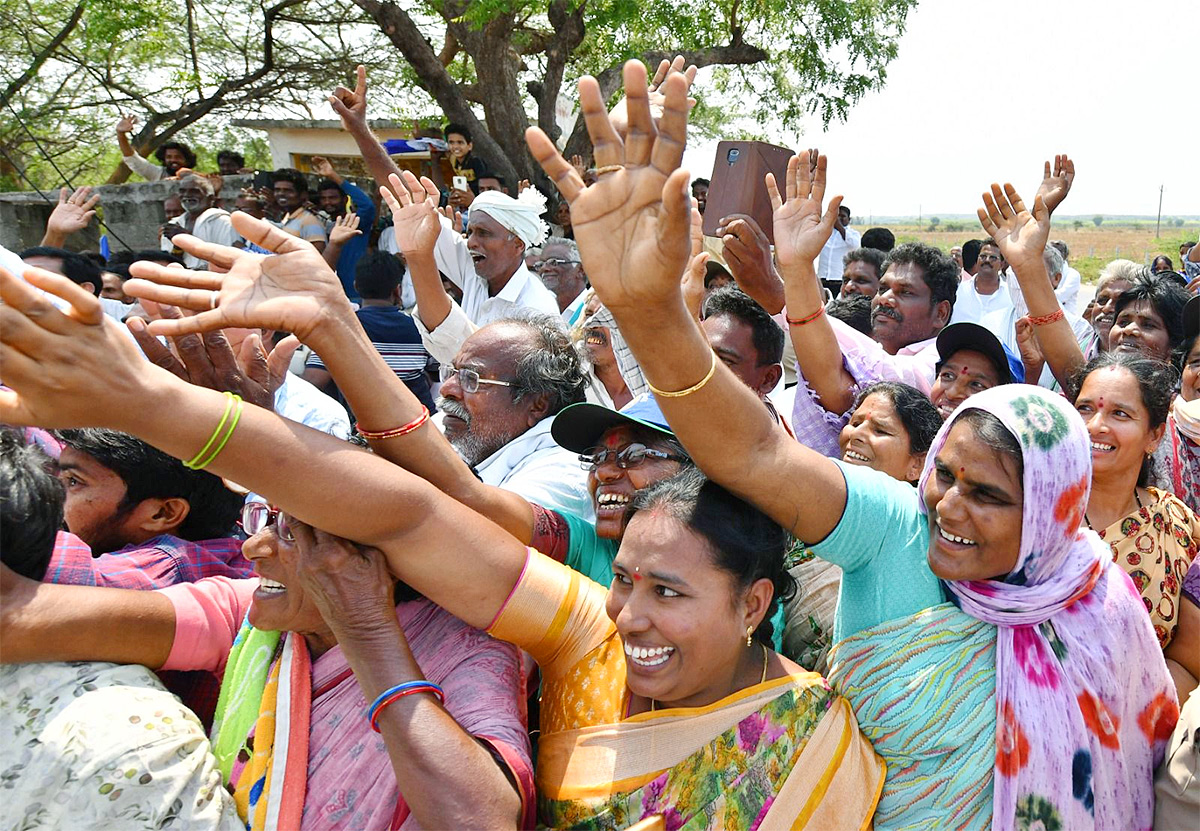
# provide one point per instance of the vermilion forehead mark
(1100, 403)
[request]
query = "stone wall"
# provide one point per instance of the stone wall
(131, 212)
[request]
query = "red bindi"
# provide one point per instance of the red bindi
(636, 575)
(964, 369)
(1100, 403)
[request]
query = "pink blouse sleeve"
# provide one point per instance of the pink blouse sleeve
(208, 614)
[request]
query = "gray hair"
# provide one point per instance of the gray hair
(206, 184)
(1126, 270)
(554, 366)
(569, 244)
(1054, 260)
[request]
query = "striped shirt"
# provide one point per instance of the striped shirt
(395, 337)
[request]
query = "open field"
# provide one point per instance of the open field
(1091, 247)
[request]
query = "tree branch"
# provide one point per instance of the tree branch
(40, 58)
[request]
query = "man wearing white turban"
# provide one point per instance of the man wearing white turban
(489, 265)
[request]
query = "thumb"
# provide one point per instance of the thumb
(253, 360)
(280, 358)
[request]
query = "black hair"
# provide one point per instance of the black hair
(745, 542)
(700, 181)
(75, 267)
(991, 433)
(1185, 349)
(765, 332)
(881, 239)
(853, 310)
(233, 156)
(189, 158)
(148, 473)
(1170, 264)
(1166, 297)
(454, 127)
(290, 174)
(970, 253)
(937, 269)
(1156, 381)
(127, 258)
(377, 274)
(500, 179)
(328, 184)
(31, 505)
(94, 256)
(865, 254)
(914, 409)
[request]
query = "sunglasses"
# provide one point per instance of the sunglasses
(258, 516)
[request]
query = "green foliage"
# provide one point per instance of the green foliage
(1097, 220)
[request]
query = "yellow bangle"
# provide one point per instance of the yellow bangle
(712, 370)
(220, 436)
(191, 464)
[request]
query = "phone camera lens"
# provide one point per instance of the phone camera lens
(732, 155)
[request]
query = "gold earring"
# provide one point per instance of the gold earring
(749, 636)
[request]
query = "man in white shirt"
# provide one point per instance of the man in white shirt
(489, 265)
(174, 155)
(987, 292)
(201, 218)
(1067, 291)
(499, 399)
(561, 272)
(843, 239)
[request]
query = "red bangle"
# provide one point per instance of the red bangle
(396, 431)
(1048, 319)
(804, 321)
(394, 695)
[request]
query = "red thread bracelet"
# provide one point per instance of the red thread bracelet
(1045, 320)
(395, 432)
(804, 321)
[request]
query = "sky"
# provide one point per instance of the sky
(987, 91)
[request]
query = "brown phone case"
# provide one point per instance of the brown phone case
(738, 185)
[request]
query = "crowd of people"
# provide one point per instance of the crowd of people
(454, 508)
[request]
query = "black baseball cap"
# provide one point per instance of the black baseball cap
(972, 336)
(1191, 317)
(579, 427)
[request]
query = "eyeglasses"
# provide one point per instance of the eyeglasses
(554, 261)
(468, 379)
(631, 455)
(258, 516)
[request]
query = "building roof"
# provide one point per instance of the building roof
(311, 124)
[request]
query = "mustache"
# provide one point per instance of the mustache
(455, 409)
(886, 311)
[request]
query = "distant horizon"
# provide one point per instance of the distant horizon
(859, 218)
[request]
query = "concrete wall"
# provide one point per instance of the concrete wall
(131, 212)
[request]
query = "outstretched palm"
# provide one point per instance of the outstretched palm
(632, 225)
(293, 291)
(801, 230)
(1020, 233)
(415, 219)
(1056, 181)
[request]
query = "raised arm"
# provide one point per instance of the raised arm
(632, 230)
(800, 232)
(1022, 236)
(72, 213)
(296, 291)
(748, 254)
(351, 107)
(75, 369)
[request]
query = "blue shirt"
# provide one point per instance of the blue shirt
(356, 247)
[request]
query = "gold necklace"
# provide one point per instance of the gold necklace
(766, 658)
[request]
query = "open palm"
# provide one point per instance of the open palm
(632, 225)
(801, 230)
(1020, 233)
(293, 291)
(415, 219)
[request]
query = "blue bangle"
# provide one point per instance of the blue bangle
(399, 691)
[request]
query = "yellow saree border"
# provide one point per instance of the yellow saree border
(599, 761)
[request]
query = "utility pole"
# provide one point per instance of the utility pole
(1159, 222)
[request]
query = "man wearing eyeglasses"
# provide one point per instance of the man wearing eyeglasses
(498, 400)
(987, 292)
(562, 272)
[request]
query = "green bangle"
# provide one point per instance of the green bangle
(192, 464)
(233, 423)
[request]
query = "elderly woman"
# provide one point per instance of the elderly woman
(1043, 663)
(661, 696)
(289, 736)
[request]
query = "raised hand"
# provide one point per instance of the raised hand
(72, 213)
(415, 221)
(632, 225)
(345, 228)
(620, 113)
(1056, 182)
(323, 167)
(351, 105)
(208, 360)
(577, 163)
(70, 368)
(126, 123)
(801, 230)
(1021, 234)
(294, 291)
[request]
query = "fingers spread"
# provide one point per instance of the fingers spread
(264, 234)
(202, 322)
(154, 349)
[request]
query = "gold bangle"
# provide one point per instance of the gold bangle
(712, 370)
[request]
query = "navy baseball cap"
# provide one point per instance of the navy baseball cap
(972, 336)
(579, 427)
